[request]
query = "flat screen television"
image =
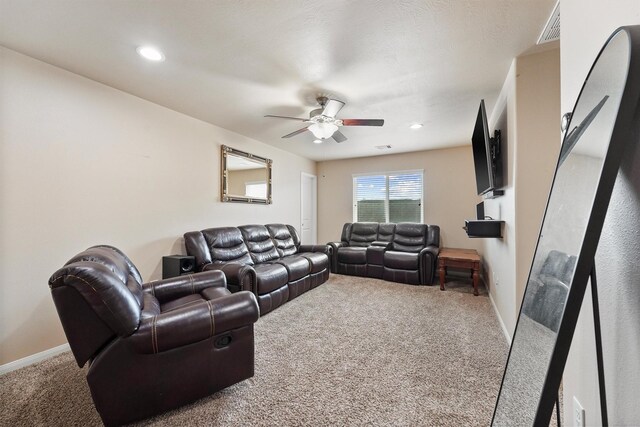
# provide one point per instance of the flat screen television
(485, 154)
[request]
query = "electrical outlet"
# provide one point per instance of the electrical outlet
(578, 413)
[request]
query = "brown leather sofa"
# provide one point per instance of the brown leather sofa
(403, 252)
(267, 260)
(151, 346)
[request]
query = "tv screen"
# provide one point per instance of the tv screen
(482, 153)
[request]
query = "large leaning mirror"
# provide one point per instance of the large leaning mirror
(603, 123)
(246, 178)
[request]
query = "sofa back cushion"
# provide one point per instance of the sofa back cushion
(409, 237)
(385, 232)
(97, 295)
(226, 244)
(294, 235)
(282, 238)
(259, 242)
(118, 263)
(433, 236)
(346, 232)
(363, 233)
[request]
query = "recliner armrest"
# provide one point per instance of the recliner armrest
(336, 245)
(428, 268)
(240, 277)
(314, 248)
(195, 322)
(176, 287)
(431, 249)
(380, 243)
(333, 254)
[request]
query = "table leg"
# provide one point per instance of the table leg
(442, 276)
(476, 278)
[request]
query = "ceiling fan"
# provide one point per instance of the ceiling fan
(323, 121)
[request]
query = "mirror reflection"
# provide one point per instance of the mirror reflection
(562, 236)
(245, 177)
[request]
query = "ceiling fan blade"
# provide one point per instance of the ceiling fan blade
(362, 122)
(332, 107)
(299, 131)
(287, 117)
(339, 136)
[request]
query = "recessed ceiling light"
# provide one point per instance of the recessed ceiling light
(416, 126)
(317, 141)
(150, 53)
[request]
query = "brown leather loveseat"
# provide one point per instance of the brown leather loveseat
(267, 260)
(403, 252)
(151, 346)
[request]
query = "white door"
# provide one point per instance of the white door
(308, 202)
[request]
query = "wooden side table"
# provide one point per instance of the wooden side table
(459, 258)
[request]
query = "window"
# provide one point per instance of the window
(256, 189)
(388, 197)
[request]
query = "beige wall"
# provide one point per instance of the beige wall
(499, 254)
(586, 25)
(529, 109)
(538, 146)
(85, 164)
(449, 191)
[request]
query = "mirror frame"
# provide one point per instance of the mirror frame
(224, 177)
(625, 126)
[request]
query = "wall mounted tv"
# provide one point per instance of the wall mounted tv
(486, 156)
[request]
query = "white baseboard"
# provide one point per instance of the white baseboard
(34, 358)
(504, 328)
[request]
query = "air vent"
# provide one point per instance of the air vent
(551, 31)
(383, 147)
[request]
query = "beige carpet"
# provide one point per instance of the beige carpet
(353, 351)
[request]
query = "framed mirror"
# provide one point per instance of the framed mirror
(246, 178)
(604, 122)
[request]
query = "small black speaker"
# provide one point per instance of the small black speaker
(485, 228)
(177, 265)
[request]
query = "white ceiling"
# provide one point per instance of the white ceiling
(230, 62)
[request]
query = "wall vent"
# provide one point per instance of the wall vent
(551, 31)
(383, 147)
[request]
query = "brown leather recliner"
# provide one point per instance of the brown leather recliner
(155, 346)
(413, 254)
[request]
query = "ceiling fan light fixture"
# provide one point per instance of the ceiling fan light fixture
(323, 130)
(416, 126)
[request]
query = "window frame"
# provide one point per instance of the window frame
(386, 174)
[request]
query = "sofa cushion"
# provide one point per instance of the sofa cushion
(283, 239)
(297, 266)
(363, 233)
(401, 260)
(385, 232)
(213, 293)
(409, 237)
(318, 261)
(227, 244)
(259, 242)
(181, 302)
(270, 277)
(349, 255)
